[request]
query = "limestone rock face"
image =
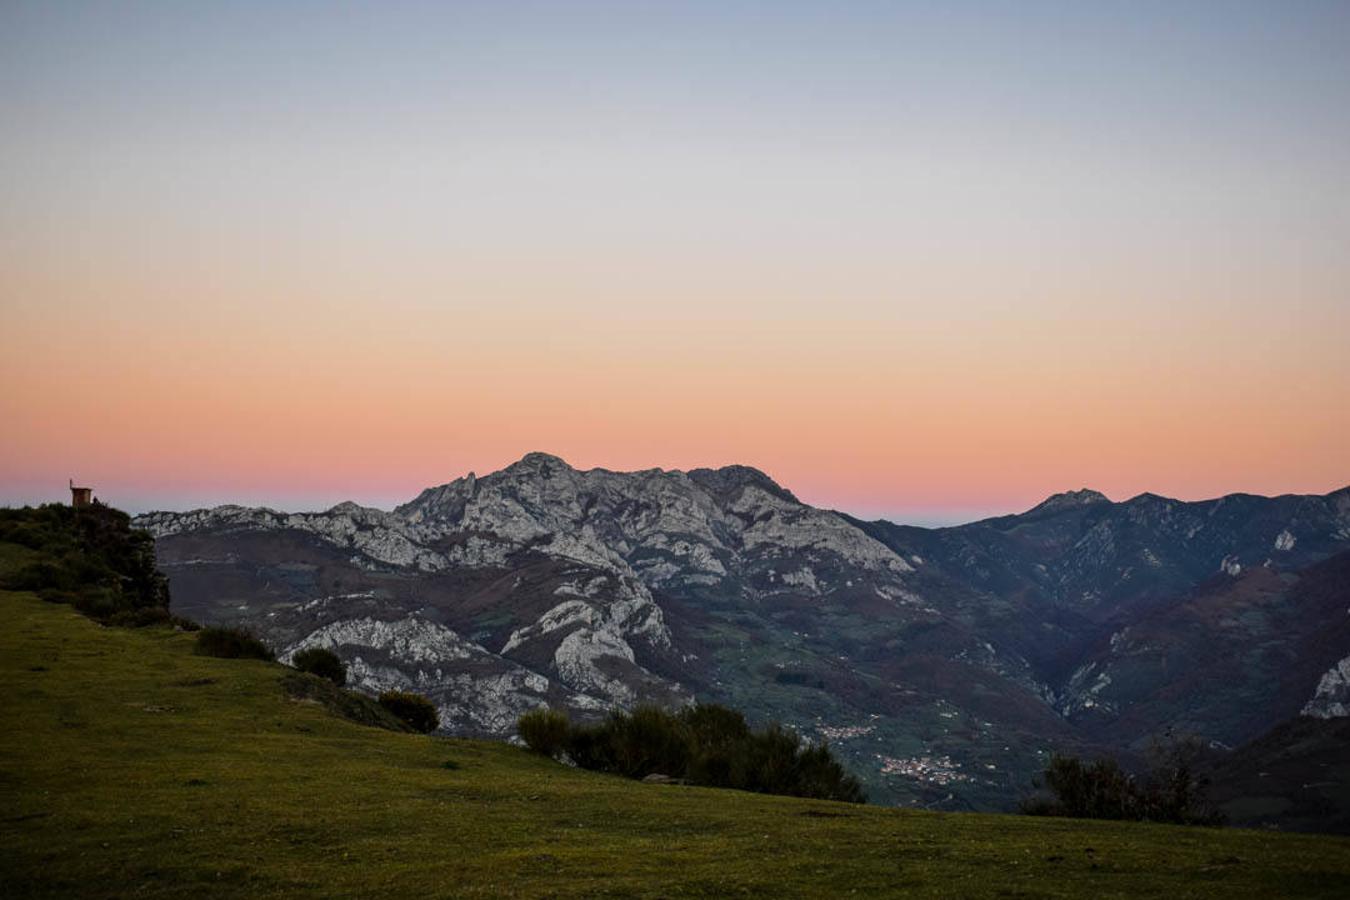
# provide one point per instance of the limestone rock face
(584, 625)
(1332, 697)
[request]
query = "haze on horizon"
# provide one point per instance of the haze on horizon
(921, 261)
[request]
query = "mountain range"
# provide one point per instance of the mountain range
(943, 665)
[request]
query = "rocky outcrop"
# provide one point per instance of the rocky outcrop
(1331, 700)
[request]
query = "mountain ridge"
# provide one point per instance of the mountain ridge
(1066, 499)
(943, 663)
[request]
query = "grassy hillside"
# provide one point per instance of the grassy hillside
(128, 765)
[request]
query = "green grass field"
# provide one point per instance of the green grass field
(131, 767)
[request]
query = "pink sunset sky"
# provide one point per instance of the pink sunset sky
(927, 262)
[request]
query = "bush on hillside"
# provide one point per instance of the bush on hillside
(140, 618)
(89, 557)
(1086, 790)
(324, 663)
(1175, 790)
(718, 734)
(349, 705)
(1170, 792)
(414, 709)
(647, 741)
(41, 576)
(705, 744)
(232, 643)
(544, 731)
(183, 624)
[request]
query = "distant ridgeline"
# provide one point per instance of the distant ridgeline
(89, 557)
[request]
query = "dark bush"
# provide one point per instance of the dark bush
(544, 731)
(704, 744)
(57, 595)
(648, 741)
(140, 618)
(88, 557)
(232, 643)
(348, 704)
(414, 709)
(818, 774)
(182, 624)
(1170, 792)
(1039, 805)
(714, 726)
(25, 534)
(39, 576)
(321, 662)
(590, 747)
(768, 763)
(1083, 790)
(1174, 790)
(101, 603)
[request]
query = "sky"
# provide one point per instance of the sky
(927, 261)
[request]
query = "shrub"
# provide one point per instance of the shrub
(25, 534)
(324, 663)
(57, 595)
(88, 557)
(590, 747)
(1174, 790)
(768, 761)
(1095, 790)
(414, 709)
(232, 643)
(544, 731)
(714, 726)
(38, 576)
(818, 774)
(1171, 791)
(348, 704)
(704, 744)
(183, 624)
(99, 602)
(648, 741)
(140, 618)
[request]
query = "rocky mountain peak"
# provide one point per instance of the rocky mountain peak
(721, 483)
(1150, 504)
(547, 490)
(536, 461)
(1067, 500)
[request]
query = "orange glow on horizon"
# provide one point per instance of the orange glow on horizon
(890, 416)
